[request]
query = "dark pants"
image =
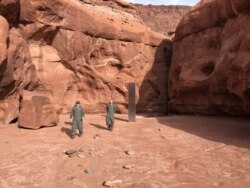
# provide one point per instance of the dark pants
(77, 124)
(110, 122)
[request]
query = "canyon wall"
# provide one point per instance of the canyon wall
(161, 18)
(56, 52)
(210, 68)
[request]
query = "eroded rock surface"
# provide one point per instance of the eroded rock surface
(211, 62)
(163, 19)
(37, 111)
(80, 50)
(10, 9)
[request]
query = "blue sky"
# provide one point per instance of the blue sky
(166, 2)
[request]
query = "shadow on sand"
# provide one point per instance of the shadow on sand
(153, 99)
(67, 131)
(118, 118)
(228, 130)
(99, 126)
(68, 123)
(121, 119)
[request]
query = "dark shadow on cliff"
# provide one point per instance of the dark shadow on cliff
(99, 126)
(153, 91)
(14, 121)
(228, 130)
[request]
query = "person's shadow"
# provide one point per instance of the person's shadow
(99, 126)
(118, 118)
(68, 123)
(67, 131)
(121, 119)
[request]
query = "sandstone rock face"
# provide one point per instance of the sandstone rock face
(211, 62)
(6, 111)
(10, 10)
(17, 74)
(67, 50)
(94, 21)
(37, 111)
(163, 19)
(4, 32)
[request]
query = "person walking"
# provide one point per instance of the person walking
(77, 113)
(110, 117)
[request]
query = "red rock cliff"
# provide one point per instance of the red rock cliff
(160, 18)
(210, 70)
(60, 51)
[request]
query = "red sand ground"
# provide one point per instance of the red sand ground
(172, 151)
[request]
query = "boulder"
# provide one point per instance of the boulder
(9, 109)
(37, 111)
(113, 183)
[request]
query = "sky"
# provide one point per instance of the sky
(165, 2)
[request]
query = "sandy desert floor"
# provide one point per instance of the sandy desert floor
(164, 152)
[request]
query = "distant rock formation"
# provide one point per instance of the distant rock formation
(163, 19)
(210, 69)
